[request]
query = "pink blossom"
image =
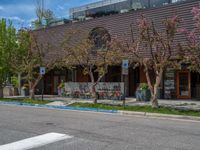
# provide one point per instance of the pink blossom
(195, 10)
(192, 34)
(182, 30)
(174, 18)
(143, 23)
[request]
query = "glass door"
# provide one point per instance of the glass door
(183, 85)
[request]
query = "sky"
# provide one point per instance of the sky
(22, 12)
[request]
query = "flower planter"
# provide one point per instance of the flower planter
(143, 95)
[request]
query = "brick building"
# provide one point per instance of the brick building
(176, 84)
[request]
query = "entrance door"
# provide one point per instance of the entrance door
(134, 80)
(47, 85)
(56, 84)
(183, 85)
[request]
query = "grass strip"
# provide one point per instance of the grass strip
(148, 109)
(29, 101)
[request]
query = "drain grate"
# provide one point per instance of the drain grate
(50, 124)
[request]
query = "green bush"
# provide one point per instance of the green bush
(143, 86)
(14, 81)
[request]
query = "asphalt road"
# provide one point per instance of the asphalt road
(97, 131)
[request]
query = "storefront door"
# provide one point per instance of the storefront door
(56, 84)
(183, 85)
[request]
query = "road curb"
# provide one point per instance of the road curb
(145, 114)
(159, 115)
(60, 107)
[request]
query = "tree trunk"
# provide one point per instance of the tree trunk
(32, 93)
(154, 100)
(93, 90)
(19, 83)
(94, 95)
(154, 87)
(1, 92)
(32, 86)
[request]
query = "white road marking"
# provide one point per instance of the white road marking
(35, 142)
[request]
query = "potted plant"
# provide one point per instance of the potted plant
(61, 89)
(25, 90)
(143, 93)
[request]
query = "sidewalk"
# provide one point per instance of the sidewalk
(179, 104)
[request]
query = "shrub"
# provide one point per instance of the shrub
(143, 86)
(14, 81)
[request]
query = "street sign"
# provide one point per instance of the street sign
(125, 66)
(42, 70)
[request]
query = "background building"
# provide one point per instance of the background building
(176, 84)
(107, 7)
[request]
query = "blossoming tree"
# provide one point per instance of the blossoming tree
(192, 45)
(158, 46)
(92, 58)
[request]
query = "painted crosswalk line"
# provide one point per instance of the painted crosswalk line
(35, 142)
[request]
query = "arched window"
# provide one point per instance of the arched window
(100, 37)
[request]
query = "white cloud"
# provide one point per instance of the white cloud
(13, 18)
(31, 20)
(60, 7)
(22, 9)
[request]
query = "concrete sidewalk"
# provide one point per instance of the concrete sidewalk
(180, 104)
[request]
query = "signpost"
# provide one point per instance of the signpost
(42, 72)
(125, 66)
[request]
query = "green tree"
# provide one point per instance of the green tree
(48, 16)
(29, 57)
(39, 13)
(42, 14)
(7, 45)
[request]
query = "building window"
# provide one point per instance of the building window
(139, 4)
(158, 3)
(100, 37)
(175, 1)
